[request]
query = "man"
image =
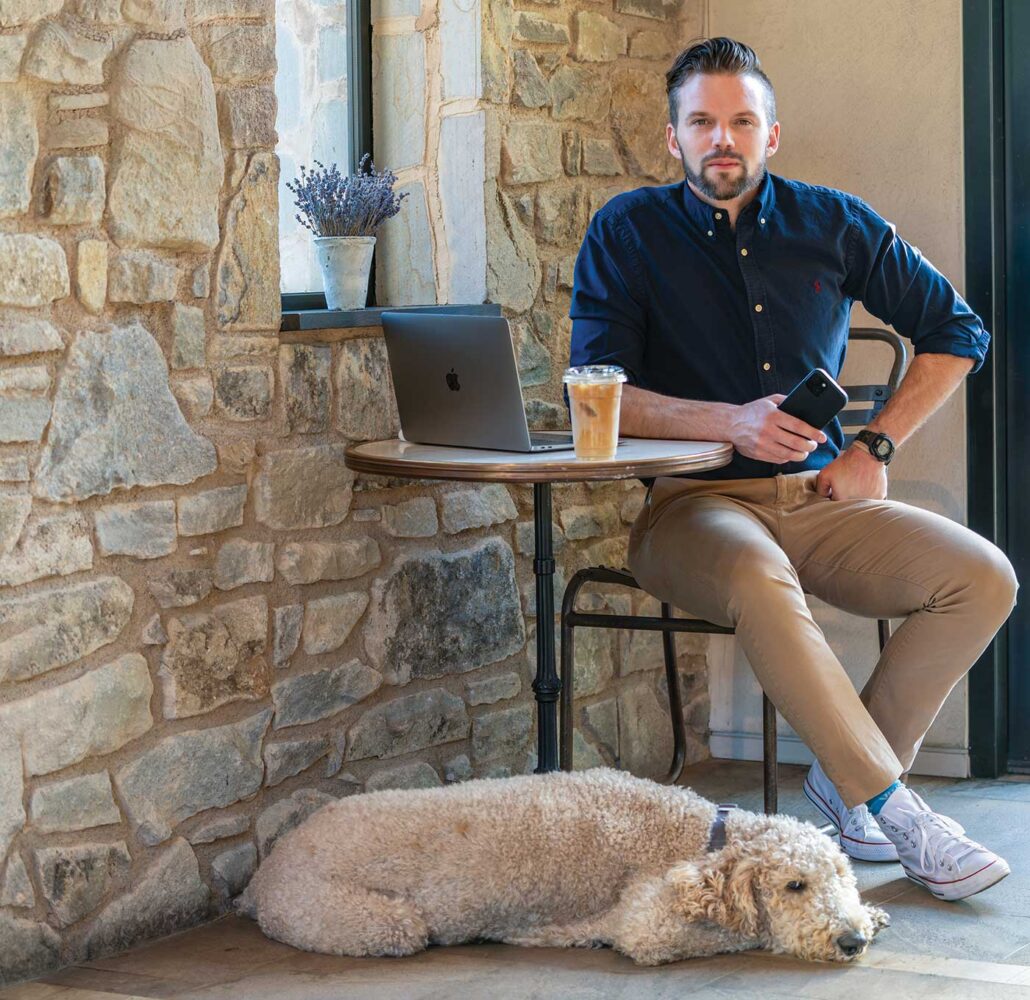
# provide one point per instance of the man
(717, 296)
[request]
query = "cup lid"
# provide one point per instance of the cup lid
(594, 373)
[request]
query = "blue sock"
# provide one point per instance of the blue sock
(876, 802)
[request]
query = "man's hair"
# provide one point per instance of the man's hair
(717, 55)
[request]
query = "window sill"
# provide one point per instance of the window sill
(296, 321)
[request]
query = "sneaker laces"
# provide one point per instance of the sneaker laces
(861, 820)
(939, 838)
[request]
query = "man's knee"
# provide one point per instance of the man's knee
(990, 579)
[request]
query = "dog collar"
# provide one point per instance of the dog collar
(717, 833)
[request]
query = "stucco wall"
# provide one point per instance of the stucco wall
(869, 97)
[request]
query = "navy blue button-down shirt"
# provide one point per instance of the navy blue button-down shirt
(694, 309)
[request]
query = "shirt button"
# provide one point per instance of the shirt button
(762, 221)
(710, 233)
(718, 215)
(766, 366)
(758, 308)
(743, 253)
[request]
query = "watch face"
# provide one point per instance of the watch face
(881, 448)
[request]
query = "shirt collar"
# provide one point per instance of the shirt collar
(704, 214)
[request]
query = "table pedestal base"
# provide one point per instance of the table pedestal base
(546, 686)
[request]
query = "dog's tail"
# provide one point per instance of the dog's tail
(245, 904)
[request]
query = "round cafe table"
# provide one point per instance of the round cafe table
(636, 457)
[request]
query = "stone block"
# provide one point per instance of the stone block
(143, 530)
(532, 152)
(580, 93)
(195, 395)
(445, 613)
(200, 282)
(167, 179)
(590, 521)
(92, 715)
(180, 588)
(189, 772)
(154, 633)
(404, 251)
(25, 380)
(652, 45)
(28, 948)
(14, 469)
(417, 774)
(213, 510)
(168, 896)
(399, 82)
(33, 271)
(525, 538)
(91, 275)
(75, 879)
(411, 519)
(285, 815)
(20, 149)
(329, 620)
(504, 734)
(139, 277)
(199, 11)
(288, 622)
(92, 613)
(600, 158)
(16, 889)
(286, 758)
(58, 54)
(17, 12)
(215, 658)
(163, 16)
(240, 562)
(248, 116)
(219, 828)
(304, 374)
(594, 660)
(540, 28)
(28, 336)
(78, 133)
(12, 789)
(639, 112)
(488, 690)
(457, 769)
(513, 267)
(572, 153)
(50, 545)
(460, 33)
(462, 193)
(188, 337)
(244, 392)
(323, 693)
(80, 102)
(12, 48)
(531, 90)
(23, 419)
(237, 53)
(232, 870)
(309, 562)
(409, 723)
(366, 408)
(657, 10)
(477, 508)
(302, 488)
(560, 215)
(247, 276)
(601, 722)
(598, 39)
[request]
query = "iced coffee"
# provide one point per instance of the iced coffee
(595, 395)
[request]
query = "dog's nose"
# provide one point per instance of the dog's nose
(851, 942)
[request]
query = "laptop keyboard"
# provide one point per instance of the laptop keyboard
(549, 438)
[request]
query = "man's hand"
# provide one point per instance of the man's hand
(761, 431)
(853, 475)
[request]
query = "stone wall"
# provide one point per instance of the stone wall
(208, 627)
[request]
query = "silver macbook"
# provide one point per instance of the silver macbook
(457, 383)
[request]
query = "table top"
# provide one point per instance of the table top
(636, 457)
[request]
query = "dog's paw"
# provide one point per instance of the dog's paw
(879, 918)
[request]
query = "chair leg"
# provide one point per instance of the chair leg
(884, 626)
(568, 659)
(769, 753)
(679, 728)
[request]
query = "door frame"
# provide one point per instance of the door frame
(986, 392)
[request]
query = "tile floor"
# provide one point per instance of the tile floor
(976, 948)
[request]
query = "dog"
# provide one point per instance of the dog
(586, 859)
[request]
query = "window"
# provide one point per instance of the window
(324, 90)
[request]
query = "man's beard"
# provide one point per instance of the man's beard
(718, 186)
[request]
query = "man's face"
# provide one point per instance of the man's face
(722, 136)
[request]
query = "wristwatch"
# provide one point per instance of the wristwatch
(880, 446)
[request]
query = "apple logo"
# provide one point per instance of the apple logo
(452, 380)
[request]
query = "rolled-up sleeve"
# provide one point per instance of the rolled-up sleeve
(607, 309)
(898, 285)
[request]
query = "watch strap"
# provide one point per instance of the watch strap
(870, 439)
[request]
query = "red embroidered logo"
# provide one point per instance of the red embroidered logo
(817, 286)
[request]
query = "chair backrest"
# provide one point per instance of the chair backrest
(855, 418)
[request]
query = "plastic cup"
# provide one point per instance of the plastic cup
(595, 395)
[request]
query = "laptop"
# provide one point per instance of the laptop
(456, 381)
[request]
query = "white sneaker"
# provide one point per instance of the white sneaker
(934, 850)
(860, 835)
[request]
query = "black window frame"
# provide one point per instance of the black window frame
(359, 89)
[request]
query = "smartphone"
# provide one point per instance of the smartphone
(816, 399)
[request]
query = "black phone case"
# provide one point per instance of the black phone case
(817, 411)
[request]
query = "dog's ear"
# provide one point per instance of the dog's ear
(719, 889)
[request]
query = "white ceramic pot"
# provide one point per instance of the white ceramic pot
(345, 262)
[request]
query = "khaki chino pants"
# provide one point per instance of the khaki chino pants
(742, 552)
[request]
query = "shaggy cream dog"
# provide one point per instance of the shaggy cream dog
(585, 859)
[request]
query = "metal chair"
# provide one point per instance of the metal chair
(855, 419)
